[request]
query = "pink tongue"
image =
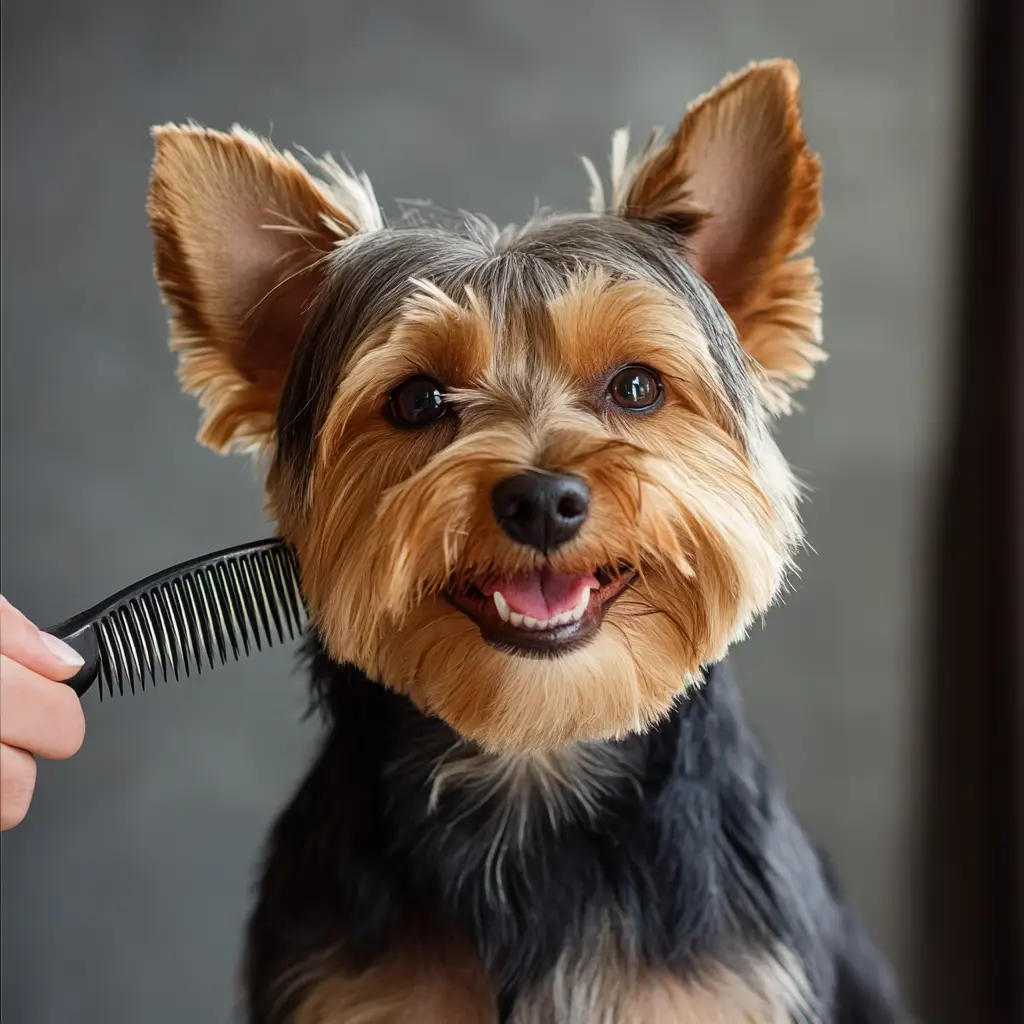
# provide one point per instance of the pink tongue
(543, 594)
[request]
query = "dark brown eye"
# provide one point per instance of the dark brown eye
(636, 388)
(417, 402)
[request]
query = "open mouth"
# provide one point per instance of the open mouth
(542, 611)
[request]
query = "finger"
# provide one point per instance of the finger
(17, 782)
(23, 642)
(38, 714)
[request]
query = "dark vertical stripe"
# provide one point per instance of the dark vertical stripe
(973, 858)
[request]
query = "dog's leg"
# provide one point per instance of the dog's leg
(416, 983)
(593, 983)
(410, 986)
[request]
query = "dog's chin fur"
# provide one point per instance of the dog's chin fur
(585, 834)
(624, 678)
(507, 700)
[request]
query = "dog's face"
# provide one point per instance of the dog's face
(527, 472)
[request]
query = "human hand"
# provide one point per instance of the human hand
(38, 716)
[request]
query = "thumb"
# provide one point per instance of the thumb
(23, 642)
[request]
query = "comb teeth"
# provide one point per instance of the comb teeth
(220, 609)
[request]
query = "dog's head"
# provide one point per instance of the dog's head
(528, 472)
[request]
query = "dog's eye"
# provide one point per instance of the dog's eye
(637, 388)
(417, 402)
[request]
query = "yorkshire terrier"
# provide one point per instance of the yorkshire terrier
(530, 478)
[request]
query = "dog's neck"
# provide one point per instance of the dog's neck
(428, 760)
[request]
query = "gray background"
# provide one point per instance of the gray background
(125, 890)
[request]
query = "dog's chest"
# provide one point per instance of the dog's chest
(562, 909)
(509, 836)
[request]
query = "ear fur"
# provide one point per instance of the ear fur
(740, 188)
(241, 232)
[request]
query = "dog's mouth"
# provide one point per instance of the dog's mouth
(542, 611)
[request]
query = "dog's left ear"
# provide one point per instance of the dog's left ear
(738, 185)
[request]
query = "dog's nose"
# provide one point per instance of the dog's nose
(541, 510)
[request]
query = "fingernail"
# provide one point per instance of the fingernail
(62, 652)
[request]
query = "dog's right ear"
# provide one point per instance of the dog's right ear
(241, 232)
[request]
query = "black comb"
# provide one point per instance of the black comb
(230, 602)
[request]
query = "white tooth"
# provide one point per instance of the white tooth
(530, 622)
(502, 605)
(515, 618)
(544, 623)
(580, 610)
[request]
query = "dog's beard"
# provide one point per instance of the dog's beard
(700, 550)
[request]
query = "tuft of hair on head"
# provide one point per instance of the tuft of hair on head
(738, 188)
(242, 232)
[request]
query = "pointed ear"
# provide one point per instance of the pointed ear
(738, 185)
(241, 233)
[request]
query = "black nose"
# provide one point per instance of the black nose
(541, 510)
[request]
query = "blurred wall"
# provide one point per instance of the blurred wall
(125, 890)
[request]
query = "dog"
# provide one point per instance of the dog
(530, 479)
